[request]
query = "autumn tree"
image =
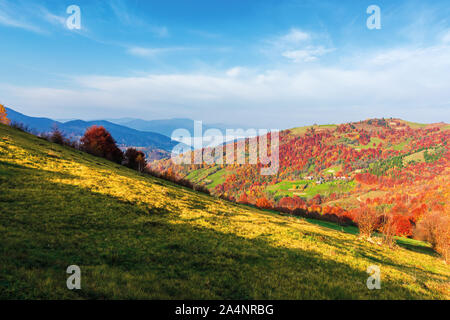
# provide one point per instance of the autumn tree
(57, 136)
(388, 229)
(3, 115)
(367, 220)
(435, 228)
(99, 142)
(263, 203)
(243, 198)
(135, 159)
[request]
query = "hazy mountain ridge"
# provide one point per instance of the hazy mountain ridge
(124, 136)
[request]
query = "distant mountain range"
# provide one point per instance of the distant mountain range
(167, 126)
(124, 136)
(152, 136)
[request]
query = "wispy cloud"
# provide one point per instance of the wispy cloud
(15, 15)
(30, 16)
(416, 87)
(310, 53)
(297, 46)
(151, 52)
(446, 37)
(126, 17)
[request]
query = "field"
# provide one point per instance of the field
(139, 237)
(211, 177)
(308, 189)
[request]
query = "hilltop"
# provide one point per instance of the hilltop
(136, 236)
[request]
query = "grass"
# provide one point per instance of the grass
(288, 188)
(415, 157)
(415, 125)
(138, 237)
(400, 146)
(217, 178)
(210, 176)
(303, 130)
(369, 145)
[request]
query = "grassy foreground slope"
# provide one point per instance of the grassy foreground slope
(139, 237)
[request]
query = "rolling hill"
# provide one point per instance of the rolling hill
(391, 164)
(135, 236)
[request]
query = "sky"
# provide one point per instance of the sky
(263, 64)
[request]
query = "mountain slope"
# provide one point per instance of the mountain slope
(397, 166)
(38, 124)
(137, 236)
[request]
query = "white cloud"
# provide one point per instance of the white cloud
(308, 54)
(297, 46)
(234, 72)
(414, 85)
(151, 52)
(295, 36)
(446, 37)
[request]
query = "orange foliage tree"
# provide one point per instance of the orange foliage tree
(263, 203)
(367, 220)
(3, 115)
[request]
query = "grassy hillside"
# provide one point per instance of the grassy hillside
(139, 237)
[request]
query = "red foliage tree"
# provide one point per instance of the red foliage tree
(243, 198)
(99, 142)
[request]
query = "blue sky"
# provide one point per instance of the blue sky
(268, 63)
